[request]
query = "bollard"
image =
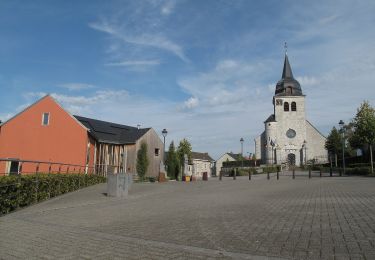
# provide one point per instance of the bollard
(340, 172)
(250, 175)
(220, 175)
(294, 174)
(320, 172)
(330, 172)
(277, 174)
(234, 174)
(309, 173)
(268, 175)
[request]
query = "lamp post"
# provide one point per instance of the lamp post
(341, 123)
(164, 133)
(241, 141)
(272, 147)
(305, 147)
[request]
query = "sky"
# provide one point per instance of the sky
(204, 70)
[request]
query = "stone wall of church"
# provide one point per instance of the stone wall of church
(315, 144)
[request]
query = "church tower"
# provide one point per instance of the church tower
(286, 133)
(288, 137)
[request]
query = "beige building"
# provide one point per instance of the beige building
(227, 157)
(201, 163)
(288, 137)
(114, 140)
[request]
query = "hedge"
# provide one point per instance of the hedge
(23, 190)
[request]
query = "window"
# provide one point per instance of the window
(157, 151)
(45, 119)
(289, 91)
(286, 106)
(294, 106)
(14, 167)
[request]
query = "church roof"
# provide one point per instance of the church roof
(288, 85)
(271, 118)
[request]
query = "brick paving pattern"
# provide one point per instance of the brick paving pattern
(318, 218)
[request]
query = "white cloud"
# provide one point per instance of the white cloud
(191, 103)
(135, 63)
(307, 81)
(76, 86)
(155, 40)
(168, 7)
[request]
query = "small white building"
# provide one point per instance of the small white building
(227, 157)
(289, 137)
(201, 163)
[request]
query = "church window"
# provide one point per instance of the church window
(289, 90)
(286, 106)
(294, 106)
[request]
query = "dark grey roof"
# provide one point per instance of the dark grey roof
(201, 156)
(107, 132)
(287, 85)
(236, 156)
(271, 118)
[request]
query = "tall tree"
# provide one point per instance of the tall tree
(184, 147)
(172, 161)
(142, 161)
(333, 143)
(364, 127)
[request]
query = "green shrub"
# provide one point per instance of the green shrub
(270, 169)
(21, 191)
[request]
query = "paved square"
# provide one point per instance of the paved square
(318, 218)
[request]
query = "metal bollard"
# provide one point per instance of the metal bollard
(340, 171)
(249, 175)
(268, 175)
(220, 175)
(309, 173)
(330, 172)
(234, 174)
(277, 174)
(294, 174)
(320, 172)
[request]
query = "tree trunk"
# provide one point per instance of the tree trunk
(372, 165)
(336, 159)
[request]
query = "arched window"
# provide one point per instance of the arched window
(294, 106)
(289, 91)
(286, 106)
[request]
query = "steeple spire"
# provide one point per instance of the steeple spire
(287, 71)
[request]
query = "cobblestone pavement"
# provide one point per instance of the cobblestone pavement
(318, 218)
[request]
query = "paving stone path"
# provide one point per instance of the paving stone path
(318, 218)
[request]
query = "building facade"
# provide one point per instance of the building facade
(227, 157)
(288, 137)
(46, 132)
(200, 163)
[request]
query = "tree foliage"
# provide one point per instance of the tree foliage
(334, 142)
(364, 125)
(172, 162)
(184, 148)
(142, 161)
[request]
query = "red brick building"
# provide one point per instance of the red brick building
(46, 132)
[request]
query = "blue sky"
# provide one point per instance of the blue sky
(205, 70)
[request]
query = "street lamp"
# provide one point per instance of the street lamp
(164, 133)
(241, 141)
(342, 130)
(305, 147)
(272, 147)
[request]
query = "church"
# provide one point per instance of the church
(289, 138)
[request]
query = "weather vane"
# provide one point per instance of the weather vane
(286, 48)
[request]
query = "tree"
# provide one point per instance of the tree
(172, 162)
(142, 161)
(364, 127)
(184, 148)
(333, 143)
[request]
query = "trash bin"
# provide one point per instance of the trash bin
(205, 176)
(187, 178)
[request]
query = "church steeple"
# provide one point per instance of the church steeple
(287, 85)
(287, 71)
